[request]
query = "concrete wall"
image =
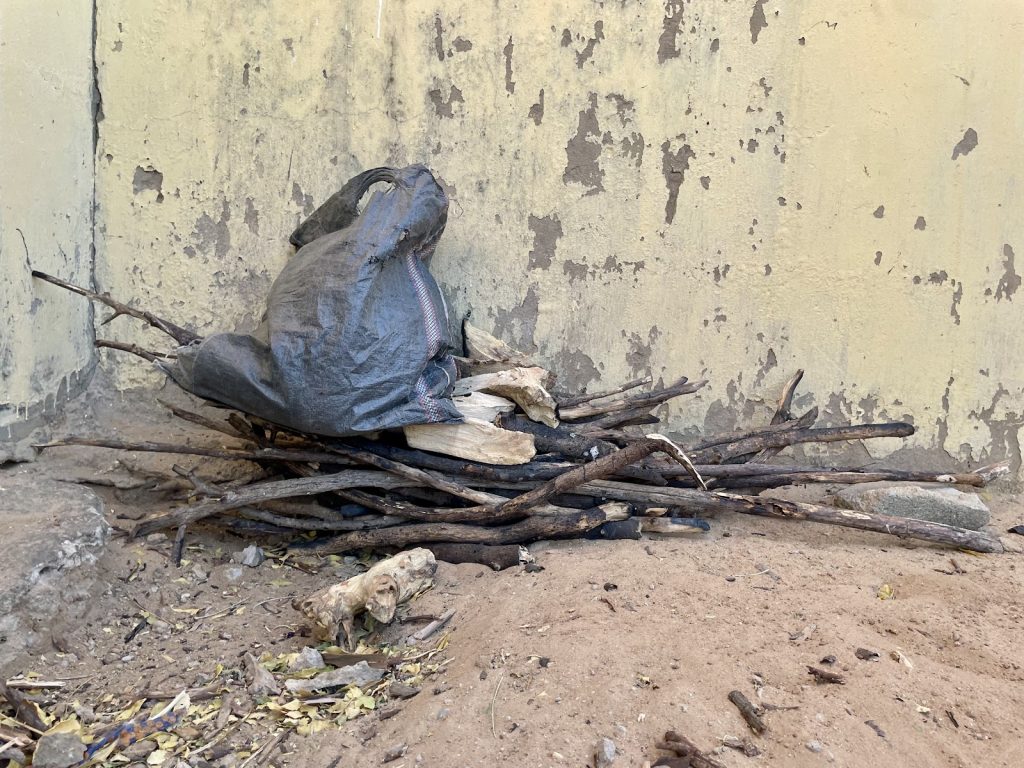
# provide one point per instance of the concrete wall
(46, 194)
(728, 190)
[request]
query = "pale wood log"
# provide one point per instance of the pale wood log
(485, 348)
(379, 591)
(482, 406)
(526, 386)
(474, 440)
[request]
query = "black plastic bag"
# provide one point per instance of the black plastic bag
(355, 335)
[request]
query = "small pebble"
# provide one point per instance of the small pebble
(252, 556)
(604, 753)
(443, 712)
(815, 746)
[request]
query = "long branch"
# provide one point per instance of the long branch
(181, 335)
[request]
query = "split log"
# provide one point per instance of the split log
(569, 402)
(379, 591)
(480, 405)
(697, 502)
(646, 401)
(181, 335)
(531, 529)
(474, 440)
(482, 347)
(526, 386)
(496, 557)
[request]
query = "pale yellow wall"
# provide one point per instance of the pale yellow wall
(558, 240)
(46, 192)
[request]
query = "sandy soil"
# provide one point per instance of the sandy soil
(623, 640)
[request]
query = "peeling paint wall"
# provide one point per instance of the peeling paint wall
(729, 190)
(46, 193)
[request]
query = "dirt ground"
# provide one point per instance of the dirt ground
(623, 640)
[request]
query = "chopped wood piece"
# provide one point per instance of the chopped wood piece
(379, 591)
(824, 676)
(474, 440)
(749, 712)
(482, 347)
(526, 386)
(685, 747)
(482, 406)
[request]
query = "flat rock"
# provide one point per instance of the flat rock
(934, 503)
(58, 750)
(49, 530)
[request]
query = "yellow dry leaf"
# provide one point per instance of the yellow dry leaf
(308, 729)
(157, 757)
(166, 740)
(281, 583)
(218, 670)
(885, 592)
(367, 702)
(189, 611)
(71, 725)
(130, 711)
(292, 706)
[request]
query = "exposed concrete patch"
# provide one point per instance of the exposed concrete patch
(510, 84)
(1010, 280)
(537, 110)
(518, 325)
(575, 370)
(967, 144)
(252, 216)
(668, 48)
(576, 271)
(638, 358)
(673, 167)
(546, 231)
(445, 108)
(148, 178)
(583, 150)
(588, 50)
(758, 21)
(214, 235)
(301, 199)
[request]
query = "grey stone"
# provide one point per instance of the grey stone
(50, 530)
(358, 674)
(252, 556)
(139, 750)
(227, 574)
(814, 746)
(604, 753)
(443, 712)
(307, 658)
(58, 750)
(934, 503)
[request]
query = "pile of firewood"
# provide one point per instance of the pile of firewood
(525, 465)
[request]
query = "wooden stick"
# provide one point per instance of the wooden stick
(530, 529)
(569, 402)
(630, 418)
(562, 439)
(824, 676)
(433, 626)
(753, 444)
(266, 491)
(240, 454)
(179, 546)
(696, 502)
(176, 332)
(135, 349)
(647, 400)
(420, 476)
(606, 465)
(203, 421)
(22, 706)
(750, 714)
(358, 523)
(685, 747)
(804, 422)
